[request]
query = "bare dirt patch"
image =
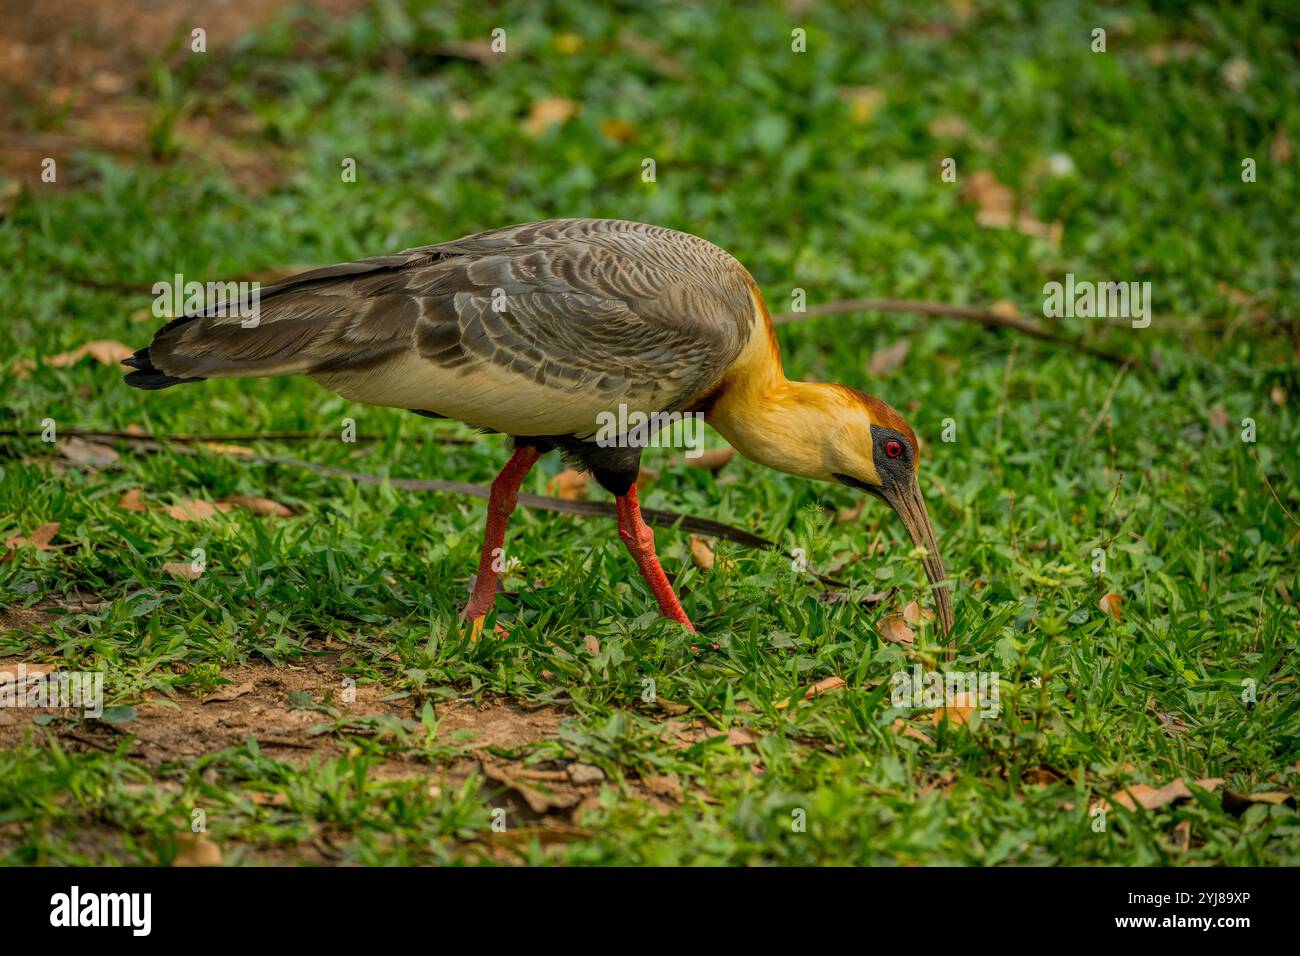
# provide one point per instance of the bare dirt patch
(257, 703)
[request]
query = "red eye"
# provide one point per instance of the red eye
(893, 449)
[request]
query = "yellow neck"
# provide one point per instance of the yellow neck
(779, 423)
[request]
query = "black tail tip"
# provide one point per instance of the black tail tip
(148, 377)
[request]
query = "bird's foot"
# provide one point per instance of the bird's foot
(475, 625)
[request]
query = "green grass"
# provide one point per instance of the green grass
(1056, 454)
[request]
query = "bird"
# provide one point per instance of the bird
(536, 331)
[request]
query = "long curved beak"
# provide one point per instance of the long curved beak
(906, 500)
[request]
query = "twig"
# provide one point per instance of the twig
(657, 517)
(964, 313)
(217, 439)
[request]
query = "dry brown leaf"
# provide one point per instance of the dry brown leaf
(997, 208)
(957, 713)
(1153, 798)
(132, 500)
(714, 459)
(701, 554)
(1111, 604)
(1182, 835)
(1238, 803)
(196, 510)
(901, 726)
(1280, 150)
(539, 801)
(237, 450)
(262, 507)
(947, 127)
(824, 686)
(87, 454)
(670, 708)
(888, 359)
(103, 351)
(1005, 308)
(263, 799)
(547, 112)
(184, 570)
(895, 630)
(197, 850)
(916, 615)
(569, 484)
(39, 539)
(592, 644)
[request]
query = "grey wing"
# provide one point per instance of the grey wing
(613, 309)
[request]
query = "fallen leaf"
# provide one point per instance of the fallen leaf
(956, 713)
(238, 450)
(39, 539)
(1182, 835)
(262, 507)
(714, 459)
(197, 850)
(1005, 308)
(1111, 604)
(1153, 798)
(895, 630)
(947, 127)
(263, 799)
(1280, 150)
(87, 454)
(547, 112)
(569, 484)
(916, 615)
(997, 208)
(196, 510)
(103, 351)
(132, 500)
(824, 686)
(539, 801)
(888, 359)
(901, 726)
(183, 570)
(701, 554)
(592, 644)
(670, 708)
(1238, 803)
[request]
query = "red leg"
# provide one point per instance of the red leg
(640, 541)
(505, 494)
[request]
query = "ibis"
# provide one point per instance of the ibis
(538, 331)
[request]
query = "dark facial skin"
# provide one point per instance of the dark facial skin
(893, 455)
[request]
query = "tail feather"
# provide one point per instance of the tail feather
(148, 377)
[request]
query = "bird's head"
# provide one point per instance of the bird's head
(873, 449)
